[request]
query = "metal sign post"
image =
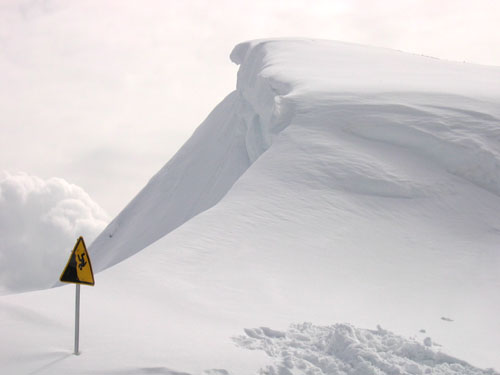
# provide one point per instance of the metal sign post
(77, 318)
(78, 271)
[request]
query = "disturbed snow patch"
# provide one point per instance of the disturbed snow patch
(344, 350)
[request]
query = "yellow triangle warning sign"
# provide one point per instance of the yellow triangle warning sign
(78, 270)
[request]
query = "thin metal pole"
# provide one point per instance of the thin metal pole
(77, 318)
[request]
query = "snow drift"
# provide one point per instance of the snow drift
(337, 183)
(444, 112)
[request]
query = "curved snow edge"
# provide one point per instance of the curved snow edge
(269, 109)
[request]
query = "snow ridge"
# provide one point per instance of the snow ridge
(357, 94)
(441, 114)
(233, 136)
(347, 350)
(194, 180)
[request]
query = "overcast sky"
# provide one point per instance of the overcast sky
(102, 93)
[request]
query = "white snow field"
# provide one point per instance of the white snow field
(346, 186)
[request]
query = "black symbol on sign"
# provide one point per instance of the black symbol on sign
(82, 263)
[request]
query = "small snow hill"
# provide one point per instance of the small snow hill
(337, 184)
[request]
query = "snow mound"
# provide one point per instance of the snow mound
(350, 105)
(343, 349)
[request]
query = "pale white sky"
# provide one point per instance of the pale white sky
(103, 93)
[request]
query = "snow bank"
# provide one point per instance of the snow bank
(321, 67)
(345, 349)
(39, 223)
(442, 111)
(195, 179)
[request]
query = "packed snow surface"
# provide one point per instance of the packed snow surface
(337, 184)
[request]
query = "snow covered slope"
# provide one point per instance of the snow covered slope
(431, 107)
(338, 183)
